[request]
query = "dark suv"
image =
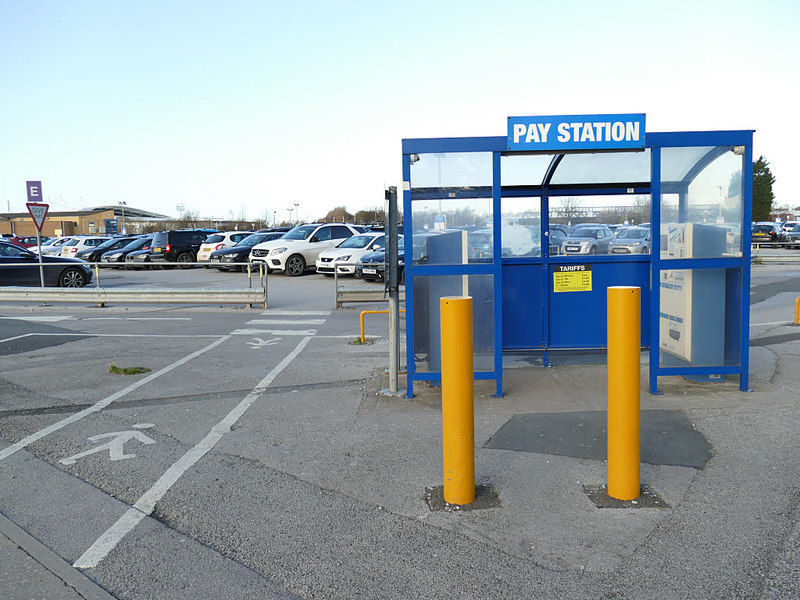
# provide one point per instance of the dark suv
(178, 245)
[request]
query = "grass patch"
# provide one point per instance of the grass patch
(127, 370)
(357, 342)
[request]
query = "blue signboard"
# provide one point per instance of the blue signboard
(576, 132)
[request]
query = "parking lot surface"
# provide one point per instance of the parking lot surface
(254, 458)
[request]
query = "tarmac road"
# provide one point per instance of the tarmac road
(256, 460)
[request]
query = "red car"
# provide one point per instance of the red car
(26, 241)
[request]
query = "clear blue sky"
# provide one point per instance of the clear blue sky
(251, 106)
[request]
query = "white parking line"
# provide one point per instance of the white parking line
(274, 332)
(286, 322)
(145, 505)
(136, 319)
(40, 319)
(773, 323)
(296, 313)
(101, 404)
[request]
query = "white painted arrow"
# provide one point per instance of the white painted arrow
(114, 445)
(259, 343)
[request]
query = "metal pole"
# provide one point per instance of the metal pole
(336, 288)
(624, 335)
(39, 247)
(394, 291)
(458, 412)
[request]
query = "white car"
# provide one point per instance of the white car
(787, 226)
(218, 241)
(301, 246)
(53, 246)
(72, 247)
(343, 258)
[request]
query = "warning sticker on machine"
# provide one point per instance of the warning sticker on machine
(572, 278)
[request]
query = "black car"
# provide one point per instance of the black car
(138, 259)
(18, 266)
(178, 246)
(93, 254)
(221, 259)
(372, 266)
(767, 232)
(116, 258)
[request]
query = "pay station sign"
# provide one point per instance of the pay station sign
(577, 132)
(572, 278)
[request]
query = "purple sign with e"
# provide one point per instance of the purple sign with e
(34, 191)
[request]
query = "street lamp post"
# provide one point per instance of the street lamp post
(274, 218)
(296, 212)
(290, 215)
(123, 205)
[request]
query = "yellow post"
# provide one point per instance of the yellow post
(624, 325)
(458, 415)
(797, 312)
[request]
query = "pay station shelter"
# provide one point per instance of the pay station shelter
(525, 224)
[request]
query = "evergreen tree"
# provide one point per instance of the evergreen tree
(762, 189)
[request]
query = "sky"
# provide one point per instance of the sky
(247, 108)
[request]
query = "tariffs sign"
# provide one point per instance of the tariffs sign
(572, 278)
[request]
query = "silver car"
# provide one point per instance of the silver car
(793, 237)
(631, 240)
(588, 239)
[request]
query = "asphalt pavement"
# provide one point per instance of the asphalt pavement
(256, 458)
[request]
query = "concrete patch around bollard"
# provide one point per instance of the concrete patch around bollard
(648, 498)
(485, 497)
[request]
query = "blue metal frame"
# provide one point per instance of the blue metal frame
(497, 145)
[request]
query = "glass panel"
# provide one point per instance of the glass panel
(700, 317)
(588, 224)
(452, 231)
(427, 335)
(524, 169)
(454, 169)
(702, 214)
(604, 167)
(521, 226)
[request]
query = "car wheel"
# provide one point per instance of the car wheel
(593, 250)
(72, 278)
(183, 259)
(295, 265)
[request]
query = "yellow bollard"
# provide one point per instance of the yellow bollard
(624, 326)
(797, 312)
(458, 414)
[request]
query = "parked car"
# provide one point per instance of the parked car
(75, 245)
(27, 241)
(178, 246)
(218, 241)
(788, 226)
(19, 266)
(793, 237)
(223, 258)
(298, 250)
(372, 266)
(343, 258)
(593, 239)
(93, 253)
(630, 240)
(766, 232)
(138, 259)
(53, 248)
(116, 258)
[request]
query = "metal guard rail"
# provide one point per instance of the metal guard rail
(102, 296)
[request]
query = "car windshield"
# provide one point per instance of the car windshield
(301, 232)
(585, 232)
(138, 243)
(358, 241)
(632, 234)
(255, 238)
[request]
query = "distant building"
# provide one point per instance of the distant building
(96, 220)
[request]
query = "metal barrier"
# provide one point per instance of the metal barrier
(371, 312)
(101, 296)
(358, 293)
